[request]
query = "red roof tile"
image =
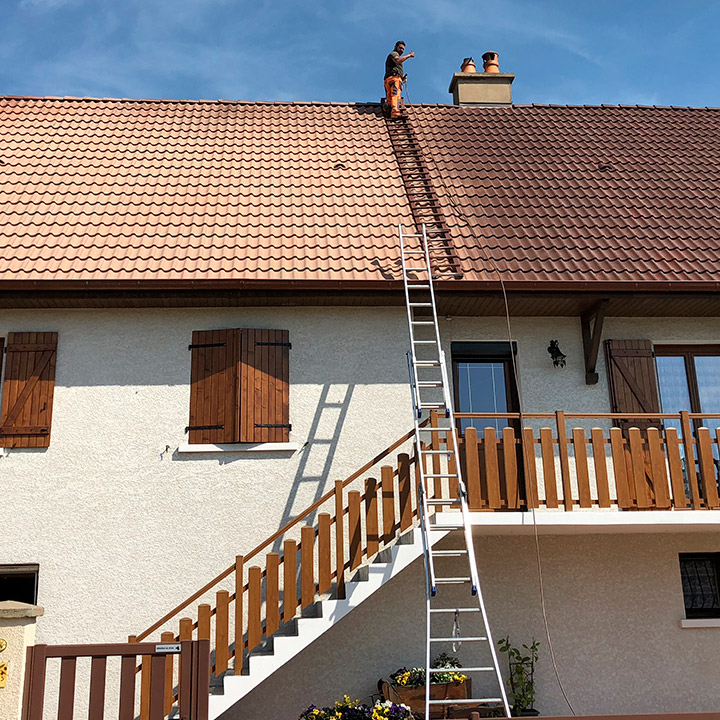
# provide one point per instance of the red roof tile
(162, 191)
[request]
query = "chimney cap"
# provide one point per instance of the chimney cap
(490, 62)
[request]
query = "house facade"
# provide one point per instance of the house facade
(204, 331)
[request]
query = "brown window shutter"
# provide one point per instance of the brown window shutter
(28, 388)
(264, 386)
(214, 394)
(632, 379)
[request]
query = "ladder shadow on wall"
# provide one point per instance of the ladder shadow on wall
(318, 452)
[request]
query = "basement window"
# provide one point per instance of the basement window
(700, 573)
(19, 583)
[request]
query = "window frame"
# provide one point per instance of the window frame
(701, 613)
(30, 569)
(487, 351)
(688, 353)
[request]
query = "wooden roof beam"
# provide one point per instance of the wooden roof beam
(591, 337)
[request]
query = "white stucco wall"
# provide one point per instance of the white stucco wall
(124, 527)
(614, 606)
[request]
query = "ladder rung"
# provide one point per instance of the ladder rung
(446, 527)
(418, 287)
(440, 475)
(452, 580)
(417, 304)
(434, 429)
(437, 452)
(432, 406)
(448, 503)
(427, 363)
(430, 383)
(422, 322)
(464, 701)
(462, 669)
(425, 342)
(413, 252)
(458, 639)
(453, 610)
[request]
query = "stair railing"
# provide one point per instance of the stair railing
(255, 600)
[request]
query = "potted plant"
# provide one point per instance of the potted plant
(521, 662)
(347, 709)
(407, 686)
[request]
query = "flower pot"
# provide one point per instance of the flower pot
(414, 697)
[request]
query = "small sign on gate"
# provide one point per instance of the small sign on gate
(168, 648)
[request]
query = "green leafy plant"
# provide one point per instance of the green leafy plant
(521, 661)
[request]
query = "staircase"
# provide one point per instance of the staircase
(302, 631)
(270, 604)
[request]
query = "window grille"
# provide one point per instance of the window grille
(699, 573)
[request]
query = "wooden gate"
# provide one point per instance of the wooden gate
(191, 689)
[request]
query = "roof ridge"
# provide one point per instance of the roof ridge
(224, 101)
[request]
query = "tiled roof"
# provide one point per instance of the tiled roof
(158, 191)
(580, 194)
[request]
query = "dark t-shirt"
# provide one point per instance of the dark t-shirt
(391, 67)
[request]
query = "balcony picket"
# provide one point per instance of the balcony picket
(307, 566)
(324, 556)
(222, 626)
(581, 467)
(272, 593)
(600, 466)
(289, 561)
(371, 517)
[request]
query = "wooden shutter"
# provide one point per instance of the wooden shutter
(264, 386)
(632, 379)
(28, 388)
(214, 397)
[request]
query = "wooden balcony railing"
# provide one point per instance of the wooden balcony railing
(542, 465)
(582, 460)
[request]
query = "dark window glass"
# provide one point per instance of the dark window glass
(19, 583)
(699, 573)
(707, 372)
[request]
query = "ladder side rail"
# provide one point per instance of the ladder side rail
(414, 391)
(441, 354)
(408, 309)
(429, 580)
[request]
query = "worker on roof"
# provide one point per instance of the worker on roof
(394, 78)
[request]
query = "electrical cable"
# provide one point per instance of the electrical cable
(460, 215)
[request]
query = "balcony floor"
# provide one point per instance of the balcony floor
(581, 521)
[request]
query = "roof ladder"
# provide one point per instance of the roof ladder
(422, 198)
(431, 392)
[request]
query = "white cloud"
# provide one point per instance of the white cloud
(44, 4)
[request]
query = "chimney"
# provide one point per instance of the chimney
(490, 88)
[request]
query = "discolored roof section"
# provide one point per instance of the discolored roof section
(159, 193)
(580, 194)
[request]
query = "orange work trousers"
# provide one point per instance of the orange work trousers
(393, 95)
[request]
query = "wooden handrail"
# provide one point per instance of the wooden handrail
(601, 416)
(269, 541)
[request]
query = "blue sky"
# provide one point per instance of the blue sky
(652, 52)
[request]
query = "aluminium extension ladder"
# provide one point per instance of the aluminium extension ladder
(431, 392)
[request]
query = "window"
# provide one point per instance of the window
(700, 573)
(19, 583)
(484, 382)
(689, 379)
(28, 388)
(239, 386)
